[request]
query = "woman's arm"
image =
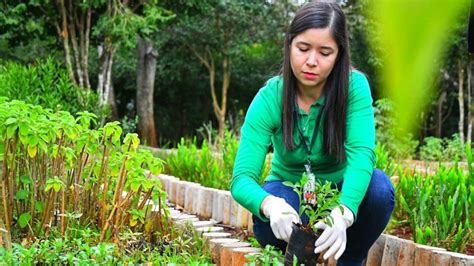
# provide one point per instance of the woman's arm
(360, 143)
(255, 140)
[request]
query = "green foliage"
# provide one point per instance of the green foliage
(437, 149)
(438, 207)
(121, 24)
(46, 83)
(209, 165)
(82, 248)
(192, 164)
(59, 170)
(383, 160)
(316, 204)
(432, 150)
(388, 134)
(268, 256)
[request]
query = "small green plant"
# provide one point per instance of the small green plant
(432, 150)
(318, 203)
(442, 149)
(438, 207)
(383, 160)
(47, 83)
(268, 256)
(210, 165)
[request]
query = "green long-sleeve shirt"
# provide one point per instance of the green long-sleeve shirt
(262, 127)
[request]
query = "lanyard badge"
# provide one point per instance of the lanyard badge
(309, 187)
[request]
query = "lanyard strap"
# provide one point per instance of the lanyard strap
(315, 133)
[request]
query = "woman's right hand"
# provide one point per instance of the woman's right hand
(281, 215)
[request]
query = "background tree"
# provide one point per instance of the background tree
(215, 33)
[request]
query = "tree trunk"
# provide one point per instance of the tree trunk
(64, 35)
(74, 31)
(469, 99)
(439, 120)
(225, 89)
(146, 68)
(461, 99)
(104, 86)
(219, 110)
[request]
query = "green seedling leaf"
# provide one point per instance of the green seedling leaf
(133, 139)
(57, 187)
(11, 131)
(24, 219)
(135, 186)
(25, 179)
(23, 129)
(21, 194)
(10, 121)
(32, 150)
(39, 206)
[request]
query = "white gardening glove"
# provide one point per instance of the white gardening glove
(281, 215)
(334, 236)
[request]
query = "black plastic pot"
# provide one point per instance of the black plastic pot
(301, 245)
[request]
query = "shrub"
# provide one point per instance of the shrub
(432, 150)
(57, 171)
(446, 149)
(383, 160)
(211, 165)
(47, 84)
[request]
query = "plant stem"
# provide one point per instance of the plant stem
(5, 200)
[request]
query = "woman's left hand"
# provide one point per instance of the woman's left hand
(334, 237)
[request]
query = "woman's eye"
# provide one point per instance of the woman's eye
(303, 49)
(325, 54)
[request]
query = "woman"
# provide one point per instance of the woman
(318, 116)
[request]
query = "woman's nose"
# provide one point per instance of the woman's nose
(312, 60)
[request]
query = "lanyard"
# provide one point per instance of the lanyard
(313, 139)
(310, 186)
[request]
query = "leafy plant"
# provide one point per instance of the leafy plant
(442, 149)
(383, 160)
(46, 83)
(450, 193)
(268, 256)
(209, 165)
(56, 171)
(318, 203)
(184, 246)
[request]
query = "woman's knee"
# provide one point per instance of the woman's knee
(381, 189)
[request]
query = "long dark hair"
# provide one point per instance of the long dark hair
(320, 15)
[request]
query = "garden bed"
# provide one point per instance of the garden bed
(388, 250)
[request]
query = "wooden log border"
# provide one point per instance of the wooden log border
(387, 250)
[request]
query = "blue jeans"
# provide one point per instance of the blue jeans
(373, 215)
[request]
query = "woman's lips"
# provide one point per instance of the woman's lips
(309, 75)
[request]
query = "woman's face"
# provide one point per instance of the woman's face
(313, 55)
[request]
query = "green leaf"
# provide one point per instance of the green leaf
(39, 206)
(21, 194)
(10, 121)
(23, 128)
(57, 187)
(32, 150)
(24, 219)
(25, 179)
(11, 131)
